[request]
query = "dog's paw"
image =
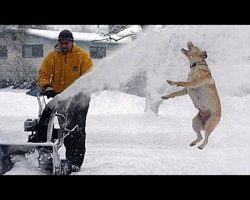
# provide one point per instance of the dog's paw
(200, 147)
(195, 142)
(192, 144)
(203, 144)
(165, 97)
(170, 82)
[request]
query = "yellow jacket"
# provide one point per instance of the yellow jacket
(60, 71)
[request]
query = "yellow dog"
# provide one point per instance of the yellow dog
(200, 86)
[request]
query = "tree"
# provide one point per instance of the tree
(7, 37)
(9, 34)
(19, 67)
(23, 27)
(22, 69)
(75, 28)
(113, 29)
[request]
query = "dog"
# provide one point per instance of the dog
(201, 88)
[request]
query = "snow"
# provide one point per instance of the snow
(130, 30)
(82, 36)
(51, 34)
(79, 28)
(122, 139)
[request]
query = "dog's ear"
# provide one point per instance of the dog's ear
(204, 54)
(190, 44)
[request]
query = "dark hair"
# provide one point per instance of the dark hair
(65, 35)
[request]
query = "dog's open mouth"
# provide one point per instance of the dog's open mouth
(190, 46)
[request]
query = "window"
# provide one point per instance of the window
(97, 51)
(32, 51)
(3, 52)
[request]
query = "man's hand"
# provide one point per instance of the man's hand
(50, 92)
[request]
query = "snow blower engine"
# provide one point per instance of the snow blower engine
(30, 124)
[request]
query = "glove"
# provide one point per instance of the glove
(50, 92)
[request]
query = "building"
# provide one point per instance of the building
(23, 56)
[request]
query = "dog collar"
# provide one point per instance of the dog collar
(203, 62)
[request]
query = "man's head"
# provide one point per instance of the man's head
(65, 40)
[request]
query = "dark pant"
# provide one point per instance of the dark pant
(75, 142)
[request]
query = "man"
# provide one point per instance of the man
(61, 67)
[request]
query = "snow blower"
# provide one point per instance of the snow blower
(49, 162)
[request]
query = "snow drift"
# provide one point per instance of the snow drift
(143, 66)
(122, 140)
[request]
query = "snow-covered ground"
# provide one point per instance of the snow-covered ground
(122, 139)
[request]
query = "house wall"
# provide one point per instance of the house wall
(9, 66)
